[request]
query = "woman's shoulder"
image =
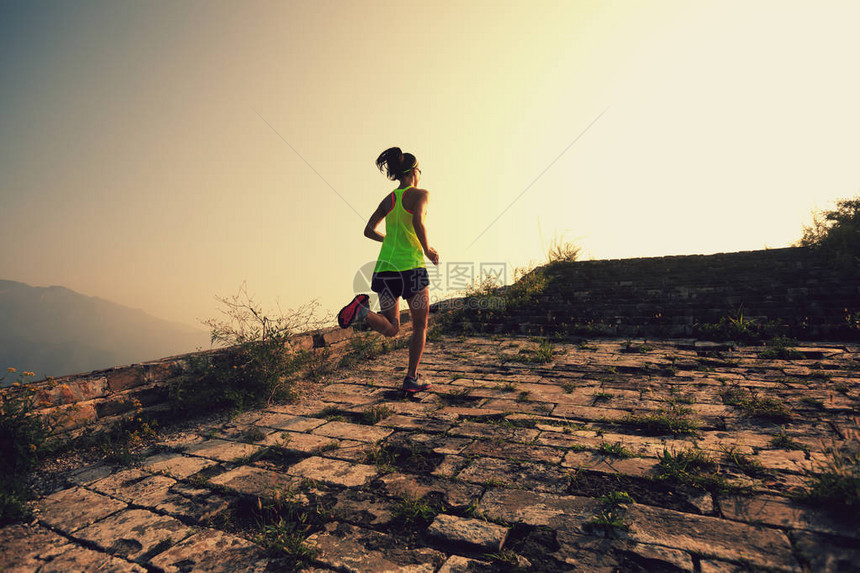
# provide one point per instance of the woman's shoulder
(417, 192)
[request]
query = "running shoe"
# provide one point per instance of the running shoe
(412, 385)
(347, 314)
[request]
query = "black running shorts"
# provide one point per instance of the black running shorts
(400, 283)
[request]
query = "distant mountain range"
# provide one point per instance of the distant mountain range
(54, 331)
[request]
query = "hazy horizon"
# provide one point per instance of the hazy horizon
(158, 154)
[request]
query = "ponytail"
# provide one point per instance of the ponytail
(394, 164)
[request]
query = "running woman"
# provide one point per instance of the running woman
(400, 270)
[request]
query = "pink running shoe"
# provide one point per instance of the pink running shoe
(347, 314)
(412, 385)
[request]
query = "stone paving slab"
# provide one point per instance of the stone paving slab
(193, 504)
(72, 557)
(222, 450)
(358, 550)
(135, 533)
(212, 551)
(176, 465)
(135, 486)
(482, 535)
(282, 421)
(710, 536)
(254, 481)
(336, 472)
(22, 545)
(73, 509)
(349, 431)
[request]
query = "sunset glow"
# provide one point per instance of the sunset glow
(158, 154)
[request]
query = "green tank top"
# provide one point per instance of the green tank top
(401, 250)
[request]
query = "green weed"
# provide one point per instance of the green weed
(835, 482)
(376, 414)
(23, 437)
(752, 404)
(781, 348)
(673, 421)
(610, 517)
(414, 511)
(616, 450)
(786, 442)
(692, 467)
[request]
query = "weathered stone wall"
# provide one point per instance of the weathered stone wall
(96, 400)
(670, 296)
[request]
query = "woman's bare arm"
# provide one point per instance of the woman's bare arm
(370, 230)
(419, 212)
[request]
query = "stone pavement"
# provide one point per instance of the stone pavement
(612, 456)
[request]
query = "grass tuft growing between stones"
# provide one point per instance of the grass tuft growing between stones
(691, 467)
(616, 450)
(781, 348)
(610, 517)
(754, 405)
(541, 355)
(673, 421)
(785, 442)
(414, 511)
(376, 414)
(283, 525)
(835, 482)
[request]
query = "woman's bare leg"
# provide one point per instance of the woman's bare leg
(419, 306)
(387, 320)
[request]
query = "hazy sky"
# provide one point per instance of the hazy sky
(160, 153)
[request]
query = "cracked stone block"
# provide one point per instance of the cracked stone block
(404, 422)
(90, 474)
(363, 509)
(449, 466)
(136, 533)
(483, 535)
(497, 472)
(453, 493)
(478, 430)
(460, 564)
(535, 508)
(347, 450)
(781, 512)
(300, 443)
(336, 472)
(659, 554)
(454, 413)
(222, 450)
(212, 551)
(290, 422)
(22, 544)
(72, 509)
(176, 466)
(350, 548)
(639, 467)
(711, 537)
(135, 486)
(254, 481)
(589, 413)
(77, 558)
(714, 566)
(196, 504)
(828, 553)
(349, 431)
(514, 451)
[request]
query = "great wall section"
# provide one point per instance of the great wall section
(550, 441)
